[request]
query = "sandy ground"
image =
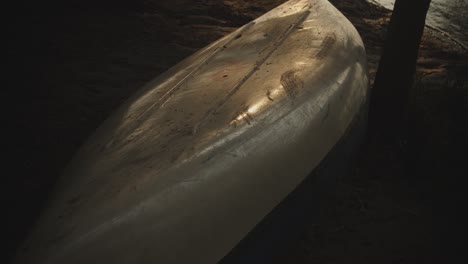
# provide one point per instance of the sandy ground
(72, 65)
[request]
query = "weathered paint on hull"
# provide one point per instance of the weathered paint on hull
(198, 157)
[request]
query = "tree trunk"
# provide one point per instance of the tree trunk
(389, 99)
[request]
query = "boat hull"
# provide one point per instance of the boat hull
(194, 161)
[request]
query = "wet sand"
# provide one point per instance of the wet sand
(72, 65)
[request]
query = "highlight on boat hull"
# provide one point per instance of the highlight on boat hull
(195, 160)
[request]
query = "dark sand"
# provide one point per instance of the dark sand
(72, 64)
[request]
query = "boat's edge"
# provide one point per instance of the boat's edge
(270, 239)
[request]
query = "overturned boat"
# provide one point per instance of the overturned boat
(213, 160)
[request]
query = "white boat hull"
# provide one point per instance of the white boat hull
(187, 167)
